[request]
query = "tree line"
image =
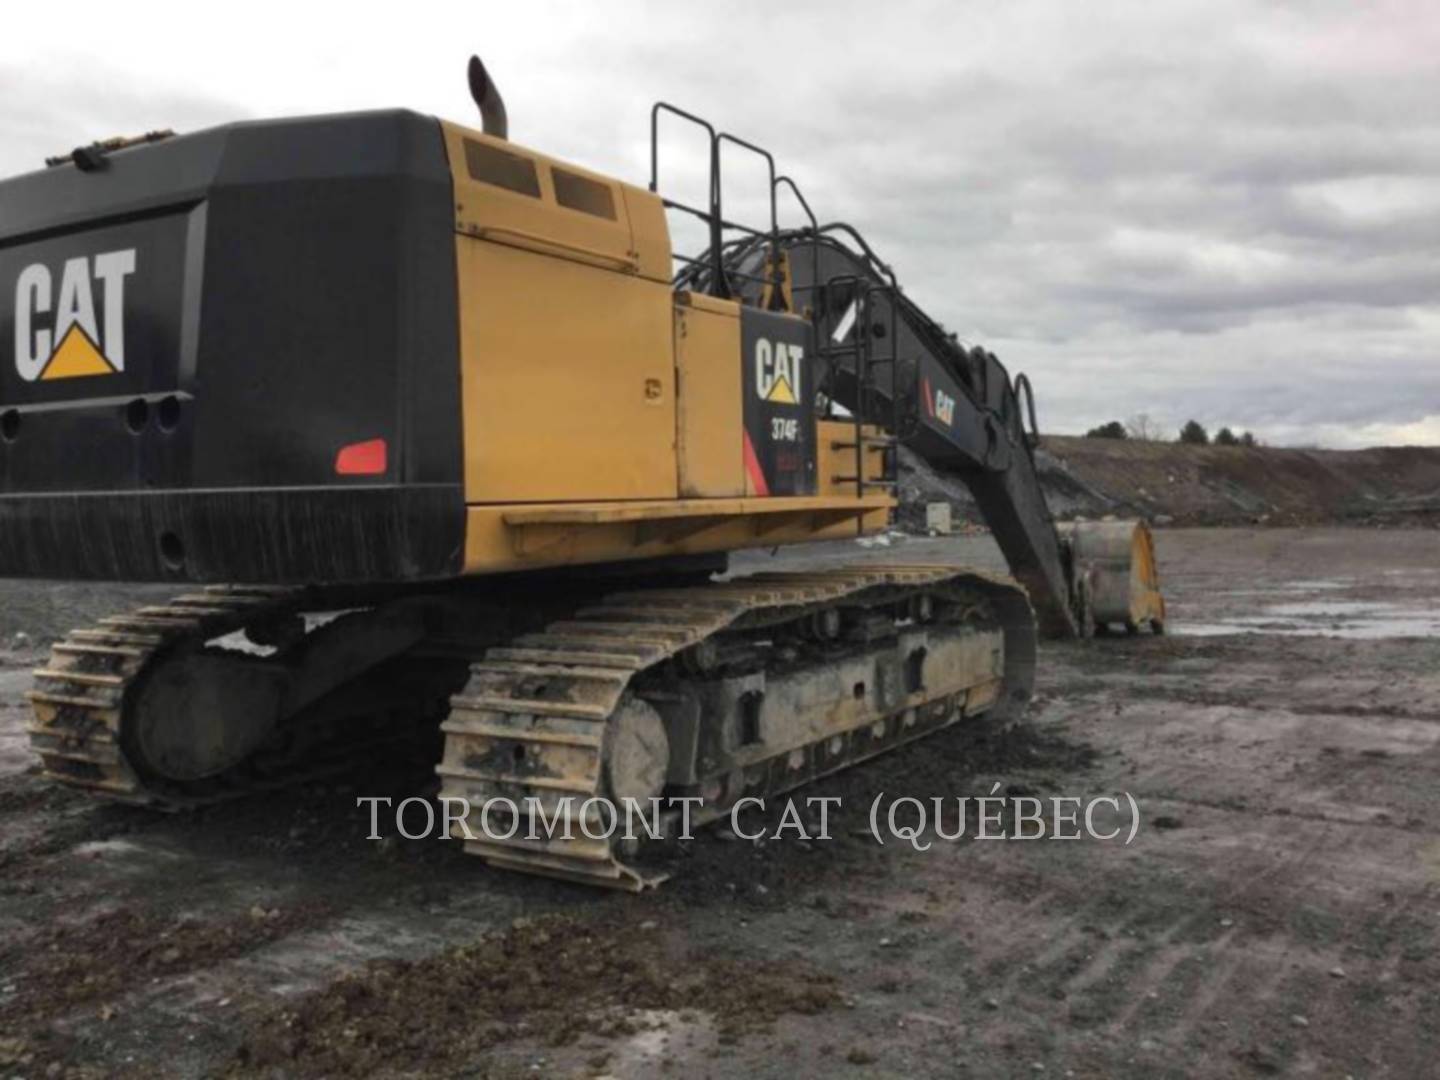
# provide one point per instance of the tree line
(1142, 429)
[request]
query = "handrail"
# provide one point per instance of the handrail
(717, 263)
(814, 248)
(714, 216)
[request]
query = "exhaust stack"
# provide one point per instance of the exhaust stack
(488, 100)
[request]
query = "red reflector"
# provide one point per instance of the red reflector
(361, 458)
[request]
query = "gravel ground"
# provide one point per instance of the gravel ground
(1274, 915)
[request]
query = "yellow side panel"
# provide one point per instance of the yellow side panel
(567, 379)
(629, 234)
(708, 388)
(531, 217)
(650, 233)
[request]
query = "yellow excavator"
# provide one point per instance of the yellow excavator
(435, 433)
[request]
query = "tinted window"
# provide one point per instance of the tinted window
(583, 194)
(491, 165)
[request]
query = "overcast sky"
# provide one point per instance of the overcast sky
(1222, 210)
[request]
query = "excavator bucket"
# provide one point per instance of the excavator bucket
(1115, 563)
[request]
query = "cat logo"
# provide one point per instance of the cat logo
(72, 345)
(940, 405)
(777, 371)
(944, 407)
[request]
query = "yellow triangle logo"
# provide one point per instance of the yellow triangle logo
(76, 355)
(781, 392)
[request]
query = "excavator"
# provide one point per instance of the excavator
(437, 443)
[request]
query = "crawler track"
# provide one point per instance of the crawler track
(534, 733)
(584, 709)
(82, 694)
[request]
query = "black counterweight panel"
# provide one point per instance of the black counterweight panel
(330, 312)
(289, 290)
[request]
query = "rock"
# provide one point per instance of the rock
(1227, 923)
(1299, 1021)
(1337, 972)
(1262, 1059)
(20, 641)
(258, 913)
(649, 924)
(1163, 519)
(170, 955)
(991, 1003)
(14, 1051)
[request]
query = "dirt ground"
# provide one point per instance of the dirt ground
(1276, 913)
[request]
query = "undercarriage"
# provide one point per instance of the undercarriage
(556, 710)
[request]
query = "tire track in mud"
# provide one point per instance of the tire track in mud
(1170, 795)
(1157, 962)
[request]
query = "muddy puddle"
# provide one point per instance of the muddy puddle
(1324, 611)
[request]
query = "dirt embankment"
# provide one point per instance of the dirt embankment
(1216, 485)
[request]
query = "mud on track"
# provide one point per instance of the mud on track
(1276, 914)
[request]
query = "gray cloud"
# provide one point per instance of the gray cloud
(1221, 209)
